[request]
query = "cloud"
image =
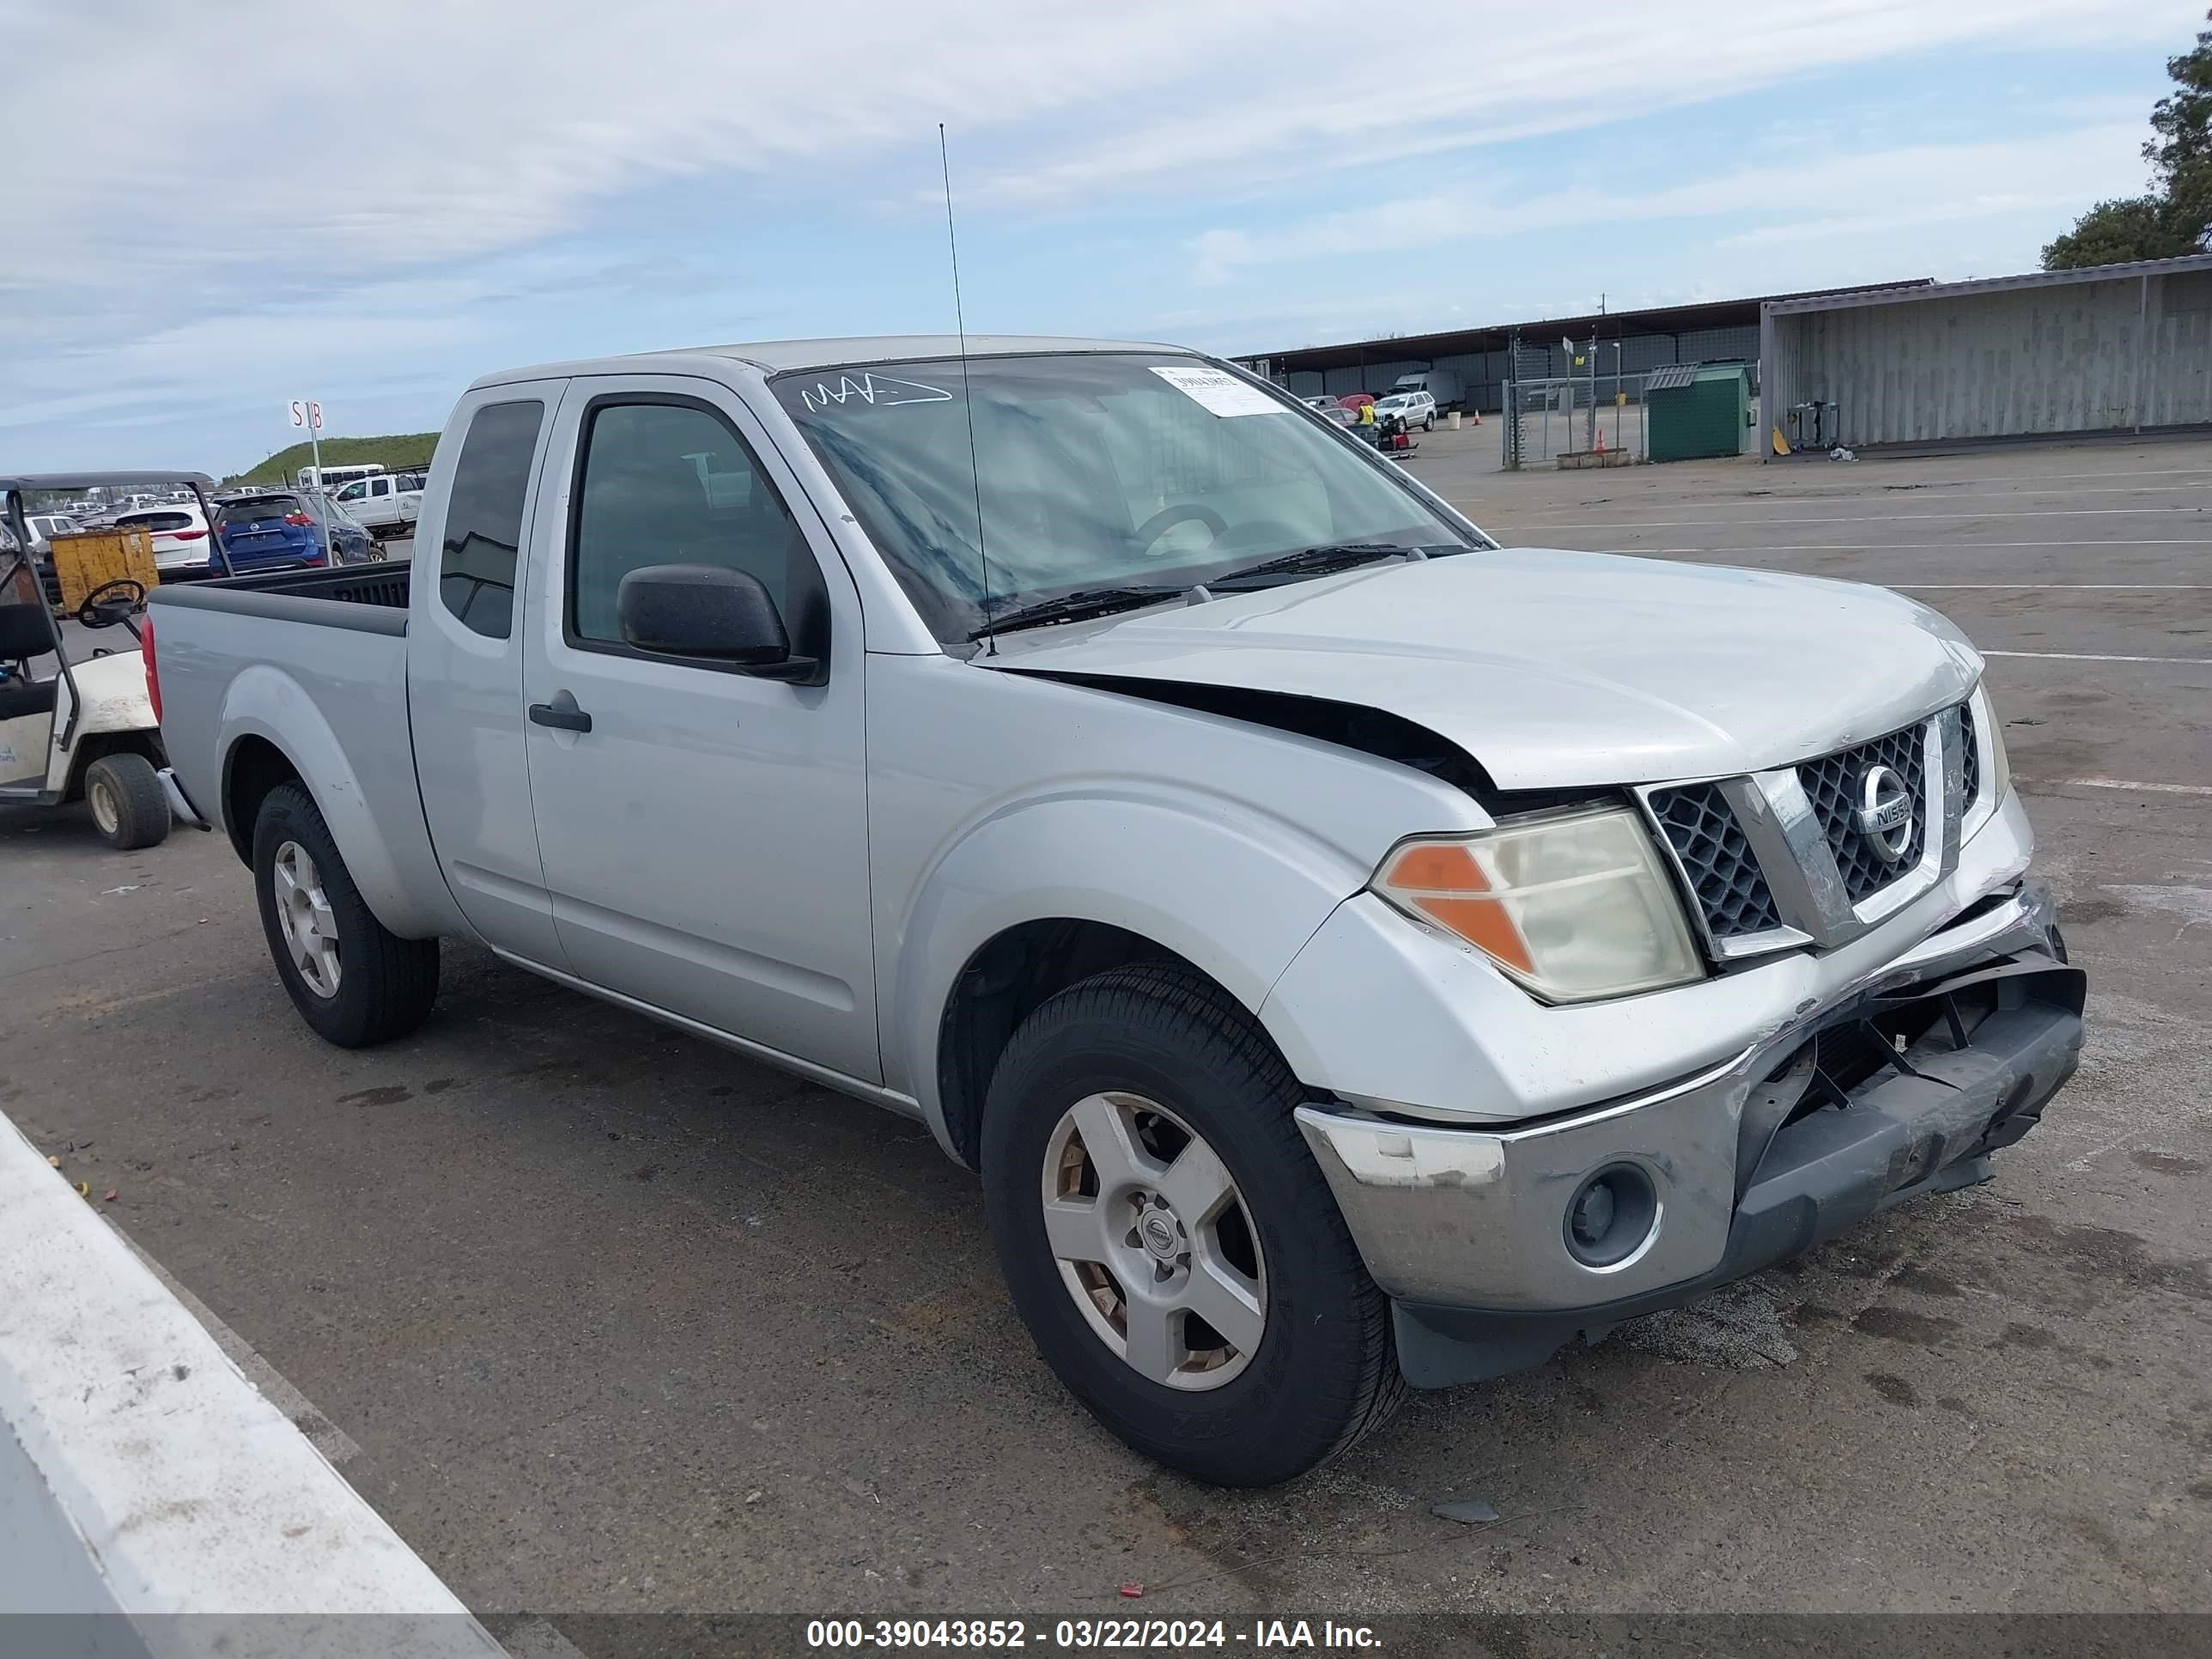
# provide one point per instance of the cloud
(236, 193)
(1301, 102)
(1840, 195)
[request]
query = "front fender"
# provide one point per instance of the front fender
(264, 702)
(1232, 890)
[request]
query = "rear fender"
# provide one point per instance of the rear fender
(265, 702)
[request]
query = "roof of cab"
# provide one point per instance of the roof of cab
(775, 357)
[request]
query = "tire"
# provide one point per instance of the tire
(1324, 1369)
(1430, 424)
(383, 985)
(128, 808)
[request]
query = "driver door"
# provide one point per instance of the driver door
(705, 841)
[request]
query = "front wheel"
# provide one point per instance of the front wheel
(129, 807)
(353, 979)
(1168, 1238)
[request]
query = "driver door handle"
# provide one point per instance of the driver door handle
(561, 714)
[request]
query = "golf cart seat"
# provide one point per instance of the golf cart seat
(24, 635)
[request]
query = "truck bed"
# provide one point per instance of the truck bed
(313, 666)
(384, 585)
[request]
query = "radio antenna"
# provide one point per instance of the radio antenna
(960, 321)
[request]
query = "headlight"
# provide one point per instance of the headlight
(1575, 907)
(1994, 762)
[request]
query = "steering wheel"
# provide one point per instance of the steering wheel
(112, 602)
(1150, 532)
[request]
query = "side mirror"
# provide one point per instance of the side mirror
(710, 612)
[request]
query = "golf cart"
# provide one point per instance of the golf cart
(86, 727)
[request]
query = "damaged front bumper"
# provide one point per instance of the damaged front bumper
(1499, 1246)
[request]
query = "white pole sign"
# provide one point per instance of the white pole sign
(304, 412)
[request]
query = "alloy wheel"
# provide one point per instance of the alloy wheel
(303, 909)
(1153, 1240)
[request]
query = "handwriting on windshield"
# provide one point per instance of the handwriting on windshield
(877, 391)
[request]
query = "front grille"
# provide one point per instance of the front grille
(1970, 759)
(1831, 784)
(1718, 859)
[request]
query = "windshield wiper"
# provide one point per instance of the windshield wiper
(1071, 607)
(1319, 560)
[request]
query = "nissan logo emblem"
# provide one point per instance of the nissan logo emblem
(1885, 814)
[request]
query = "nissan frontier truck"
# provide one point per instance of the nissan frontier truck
(1352, 953)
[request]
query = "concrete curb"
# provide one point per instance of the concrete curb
(147, 1486)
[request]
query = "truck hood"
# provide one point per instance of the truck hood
(1557, 669)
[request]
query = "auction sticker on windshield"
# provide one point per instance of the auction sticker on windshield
(1225, 394)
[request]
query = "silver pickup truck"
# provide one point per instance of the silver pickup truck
(1352, 953)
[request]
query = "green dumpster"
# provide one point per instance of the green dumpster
(1695, 410)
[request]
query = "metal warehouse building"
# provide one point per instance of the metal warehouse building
(2111, 348)
(1484, 357)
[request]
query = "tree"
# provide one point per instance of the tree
(2181, 155)
(2113, 232)
(2175, 217)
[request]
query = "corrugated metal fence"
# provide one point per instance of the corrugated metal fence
(2033, 356)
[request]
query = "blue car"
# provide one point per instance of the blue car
(283, 530)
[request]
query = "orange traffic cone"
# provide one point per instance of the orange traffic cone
(1600, 442)
(1477, 417)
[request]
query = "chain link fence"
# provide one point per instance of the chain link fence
(1550, 415)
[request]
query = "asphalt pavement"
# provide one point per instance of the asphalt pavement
(619, 1321)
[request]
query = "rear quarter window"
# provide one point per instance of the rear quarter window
(483, 516)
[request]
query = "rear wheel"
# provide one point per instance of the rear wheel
(1168, 1238)
(128, 806)
(353, 979)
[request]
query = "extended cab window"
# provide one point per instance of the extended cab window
(484, 518)
(671, 484)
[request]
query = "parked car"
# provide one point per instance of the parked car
(44, 527)
(1333, 409)
(273, 530)
(1352, 953)
(350, 539)
(1414, 408)
(387, 505)
(181, 547)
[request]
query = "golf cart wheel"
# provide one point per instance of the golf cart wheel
(128, 806)
(1168, 1239)
(355, 981)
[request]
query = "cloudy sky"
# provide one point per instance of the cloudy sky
(374, 204)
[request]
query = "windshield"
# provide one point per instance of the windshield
(1104, 470)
